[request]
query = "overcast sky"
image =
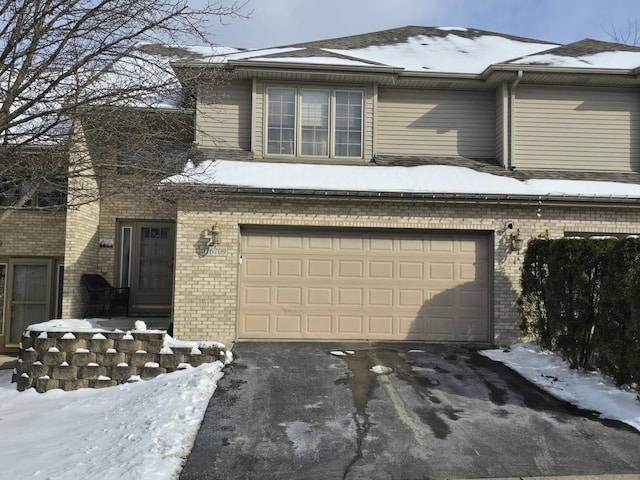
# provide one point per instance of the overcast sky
(281, 22)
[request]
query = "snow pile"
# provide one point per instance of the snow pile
(587, 390)
(139, 430)
(420, 179)
(381, 369)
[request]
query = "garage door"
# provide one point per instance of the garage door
(358, 285)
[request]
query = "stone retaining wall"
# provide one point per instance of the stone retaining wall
(72, 360)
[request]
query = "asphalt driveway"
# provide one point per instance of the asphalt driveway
(295, 411)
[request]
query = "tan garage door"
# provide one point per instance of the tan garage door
(342, 285)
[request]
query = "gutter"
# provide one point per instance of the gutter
(457, 198)
(512, 124)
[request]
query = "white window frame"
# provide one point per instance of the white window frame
(297, 147)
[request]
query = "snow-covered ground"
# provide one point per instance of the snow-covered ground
(138, 430)
(146, 429)
(588, 390)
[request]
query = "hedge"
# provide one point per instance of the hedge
(581, 298)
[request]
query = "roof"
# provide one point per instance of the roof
(587, 53)
(415, 49)
(429, 181)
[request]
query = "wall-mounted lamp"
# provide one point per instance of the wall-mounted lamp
(215, 235)
(516, 241)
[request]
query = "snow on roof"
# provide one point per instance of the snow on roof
(614, 59)
(436, 179)
(450, 54)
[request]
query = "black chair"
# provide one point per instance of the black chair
(103, 298)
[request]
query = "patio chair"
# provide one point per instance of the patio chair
(103, 298)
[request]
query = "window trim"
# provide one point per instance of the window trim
(297, 147)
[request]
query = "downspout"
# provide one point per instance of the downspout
(512, 123)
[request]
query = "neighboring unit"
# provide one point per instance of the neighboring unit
(374, 187)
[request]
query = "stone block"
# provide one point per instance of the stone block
(102, 383)
(81, 359)
(71, 344)
(170, 361)
(153, 346)
(100, 344)
(140, 359)
(128, 345)
(84, 335)
(26, 341)
(44, 344)
(91, 372)
(215, 352)
(39, 370)
(115, 336)
(45, 384)
(56, 335)
(121, 373)
(75, 384)
(197, 360)
(150, 372)
(110, 359)
(29, 356)
(64, 373)
(22, 383)
(53, 358)
(148, 336)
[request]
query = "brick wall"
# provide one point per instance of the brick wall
(206, 288)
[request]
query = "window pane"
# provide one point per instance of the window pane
(315, 122)
(281, 120)
(348, 124)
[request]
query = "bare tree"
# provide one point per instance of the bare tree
(100, 69)
(628, 34)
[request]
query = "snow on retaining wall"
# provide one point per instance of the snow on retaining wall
(73, 359)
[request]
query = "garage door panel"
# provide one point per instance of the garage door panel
(381, 326)
(350, 324)
(288, 296)
(288, 268)
(320, 269)
(350, 269)
(380, 297)
(320, 296)
(350, 297)
(287, 324)
(319, 326)
(257, 295)
(365, 284)
(380, 270)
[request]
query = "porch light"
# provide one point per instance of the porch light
(516, 241)
(215, 235)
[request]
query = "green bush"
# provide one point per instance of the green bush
(580, 297)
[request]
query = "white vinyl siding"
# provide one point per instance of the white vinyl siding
(223, 116)
(502, 113)
(570, 128)
(436, 123)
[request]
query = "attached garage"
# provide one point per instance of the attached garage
(365, 284)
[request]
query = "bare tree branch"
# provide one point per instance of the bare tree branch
(98, 64)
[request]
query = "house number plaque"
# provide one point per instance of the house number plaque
(216, 251)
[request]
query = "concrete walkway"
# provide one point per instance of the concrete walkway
(295, 411)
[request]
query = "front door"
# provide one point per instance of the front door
(30, 295)
(152, 267)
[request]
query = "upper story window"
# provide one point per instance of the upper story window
(314, 122)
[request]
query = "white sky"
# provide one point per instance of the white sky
(281, 22)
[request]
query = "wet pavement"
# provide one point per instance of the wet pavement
(295, 411)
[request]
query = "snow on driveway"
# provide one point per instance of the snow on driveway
(587, 390)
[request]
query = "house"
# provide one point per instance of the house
(374, 187)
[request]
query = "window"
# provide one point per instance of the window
(314, 122)
(49, 194)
